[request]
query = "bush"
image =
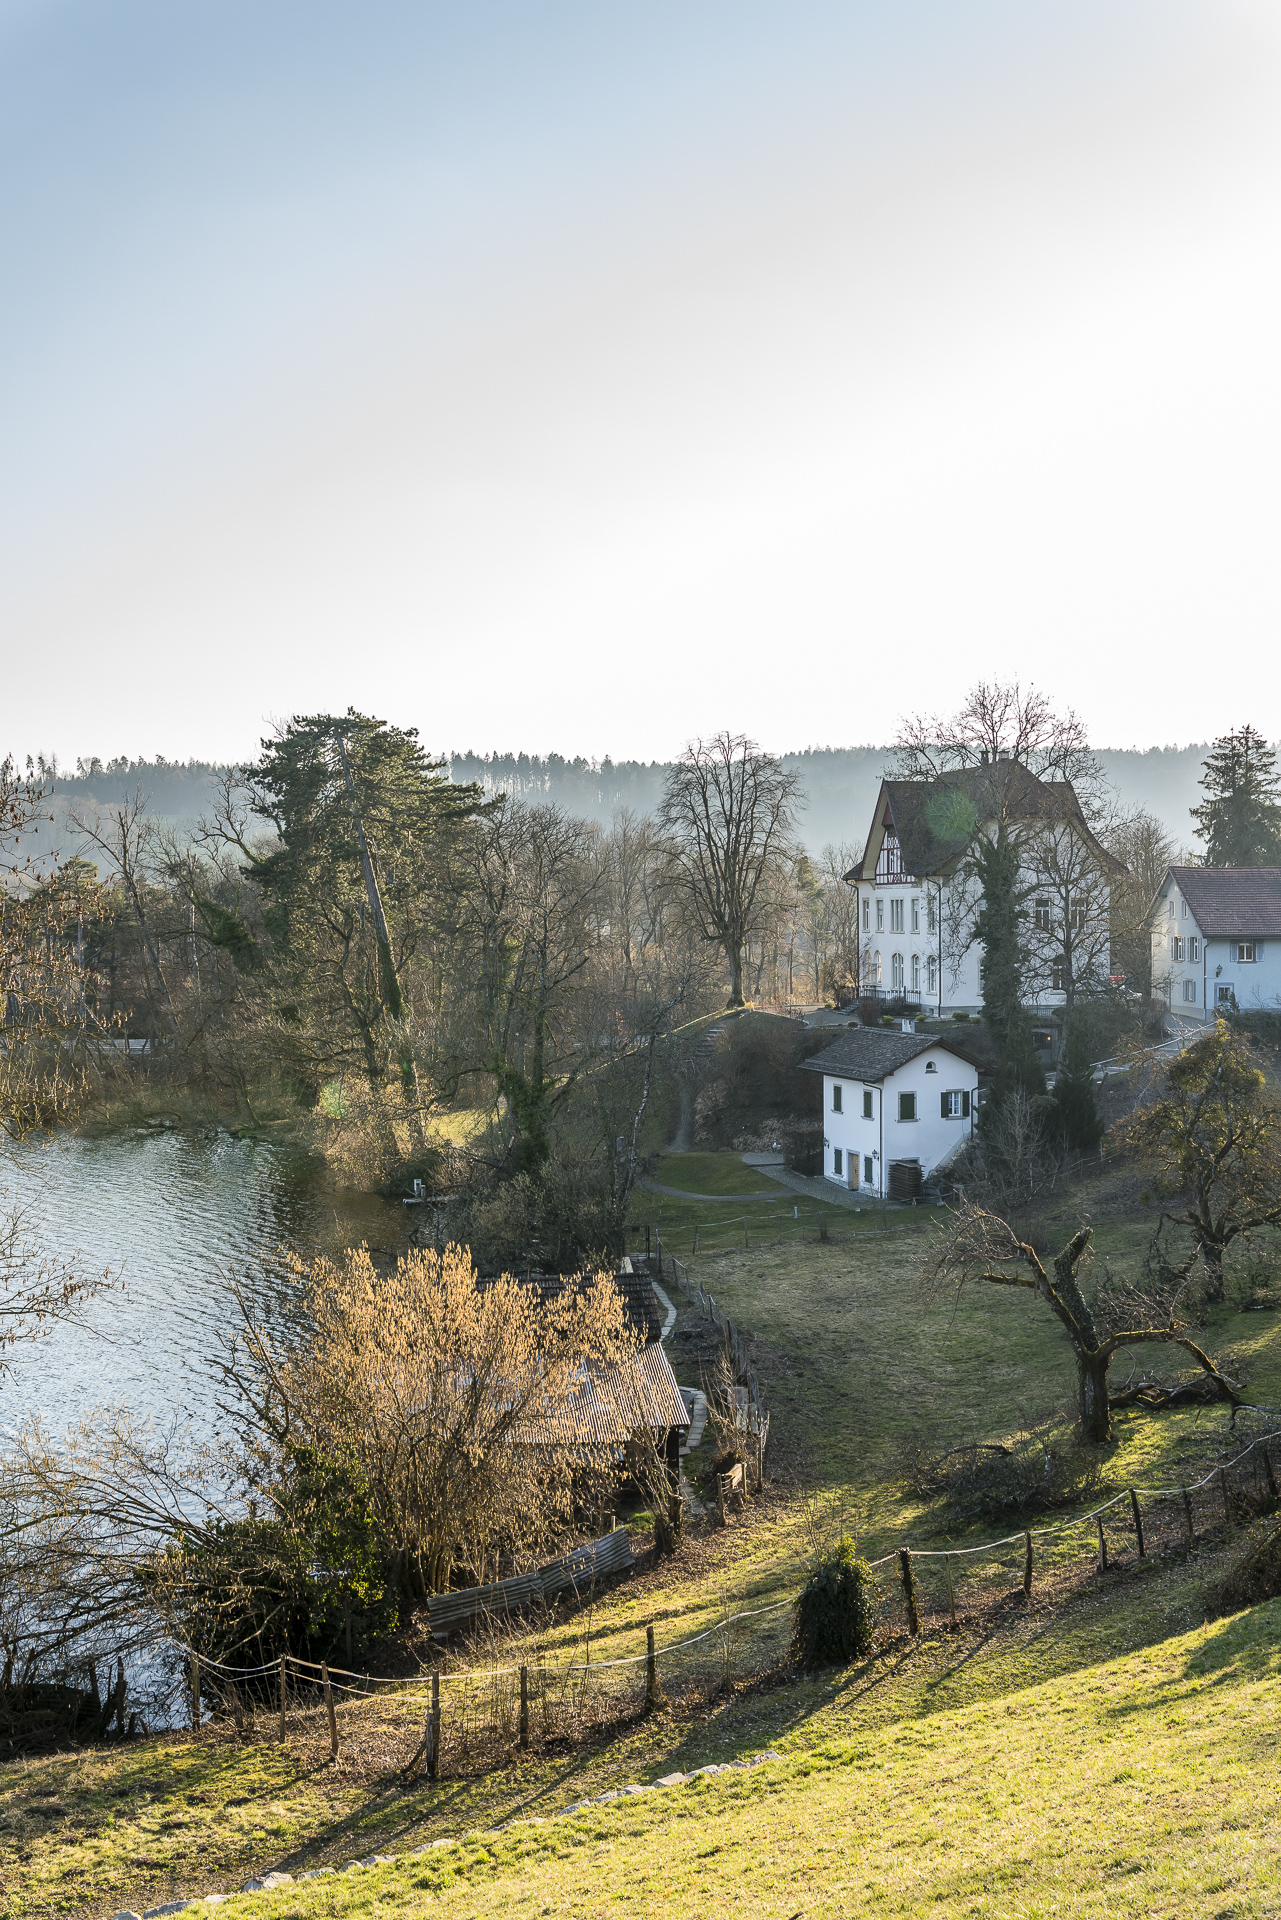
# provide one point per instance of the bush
(1252, 1274)
(1253, 1576)
(961, 1016)
(990, 1480)
(832, 1622)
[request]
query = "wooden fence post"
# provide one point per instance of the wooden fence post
(1270, 1475)
(909, 1589)
(433, 1730)
(1103, 1545)
(1227, 1504)
(195, 1691)
(282, 1699)
(1138, 1521)
(524, 1709)
(951, 1591)
(1187, 1514)
(653, 1692)
(347, 1624)
(1027, 1567)
(329, 1709)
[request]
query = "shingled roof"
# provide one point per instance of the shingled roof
(873, 1053)
(935, 820)
(1232, 902)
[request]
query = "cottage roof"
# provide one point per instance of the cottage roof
(610, 1404)
(874, 1053)
(1231, 902)
(934, 821)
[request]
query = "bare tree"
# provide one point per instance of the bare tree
(728, 809)
(980, 1246)
(1138, 839)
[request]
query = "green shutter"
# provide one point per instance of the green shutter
(943, 1113)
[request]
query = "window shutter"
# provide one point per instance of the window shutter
(943, 1106)
(965, 1106)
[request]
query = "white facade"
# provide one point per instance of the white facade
(921, 1111)
(1220, 949)
(917, 910)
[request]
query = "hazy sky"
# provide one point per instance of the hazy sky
(579, 378)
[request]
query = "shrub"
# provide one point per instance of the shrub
(1252, 1274)
(832, 1622)
(1253, 1576)
(992, 1480)
(960, 1015)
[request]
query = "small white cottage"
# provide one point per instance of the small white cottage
(896, 1105)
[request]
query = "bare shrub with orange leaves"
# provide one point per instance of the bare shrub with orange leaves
(460, 1410)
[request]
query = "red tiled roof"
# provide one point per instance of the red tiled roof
(1233, 902)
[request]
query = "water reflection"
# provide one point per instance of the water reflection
(168, 1210)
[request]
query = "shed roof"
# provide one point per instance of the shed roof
(1232, 902)
(610, 1404)
(872, 1053)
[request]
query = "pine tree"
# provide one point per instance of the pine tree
(1240, 819)
(1075, 1115)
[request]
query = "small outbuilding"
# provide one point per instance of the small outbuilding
(896, 1106)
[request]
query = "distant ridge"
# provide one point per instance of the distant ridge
(840, 784)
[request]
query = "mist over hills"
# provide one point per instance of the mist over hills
(840, 785)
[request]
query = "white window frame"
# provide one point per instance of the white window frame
(880, 915)
(1189, 990)
(916, 973)
(1194, 947)
(1245, 953)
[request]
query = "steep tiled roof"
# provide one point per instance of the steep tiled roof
(935, 819)
(873, 1053)
(1233, 902)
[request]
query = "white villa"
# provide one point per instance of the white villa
(896, 1106)
(916, 908)
(1216, 940)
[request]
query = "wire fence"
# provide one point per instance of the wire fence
(455, 1719)
(774, 1225)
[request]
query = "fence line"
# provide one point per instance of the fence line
(916, 1553)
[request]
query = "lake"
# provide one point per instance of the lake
(171, 1213)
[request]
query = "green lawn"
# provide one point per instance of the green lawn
(1146, 1783)
(713, 1173)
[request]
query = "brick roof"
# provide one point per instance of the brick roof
(873, 1053)
(1233, 902)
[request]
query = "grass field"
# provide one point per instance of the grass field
(1099, 1751)
(728, 1220)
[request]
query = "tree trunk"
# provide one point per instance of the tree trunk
(1092, 1395)
(1212, 1260)
(734, 954)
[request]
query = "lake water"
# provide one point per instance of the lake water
(170, 1213)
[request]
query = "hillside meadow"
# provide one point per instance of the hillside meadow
(1102, 1746)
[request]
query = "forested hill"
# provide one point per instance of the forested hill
(840, 784)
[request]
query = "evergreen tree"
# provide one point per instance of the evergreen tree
(1240, 818)
(1075, 1115)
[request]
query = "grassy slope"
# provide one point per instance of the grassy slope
(857, 1362)
(1145, 1784)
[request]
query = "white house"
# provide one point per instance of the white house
(917, 907)
(1216, 940)
(895, 1106)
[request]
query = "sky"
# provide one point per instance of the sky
(580, 379)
